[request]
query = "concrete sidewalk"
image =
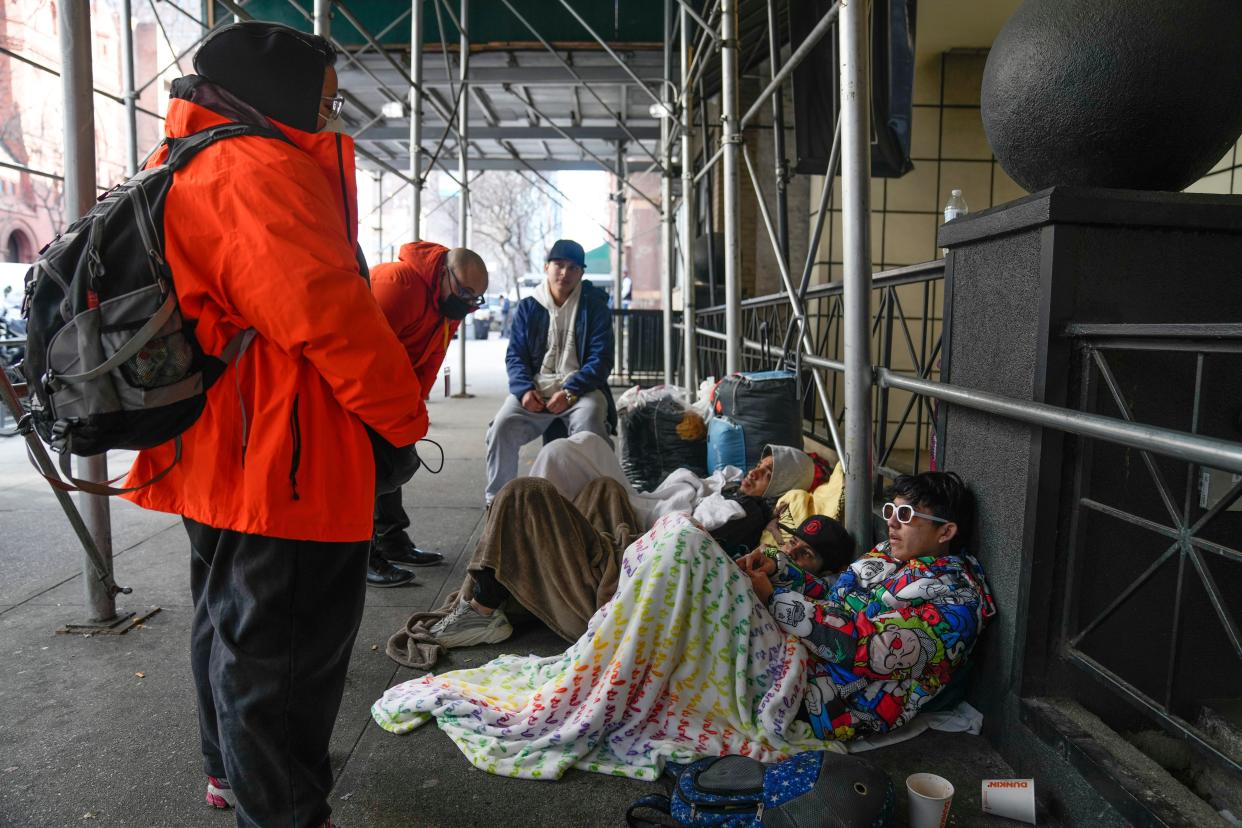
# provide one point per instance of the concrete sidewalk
(102, 730)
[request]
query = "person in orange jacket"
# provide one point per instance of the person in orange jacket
(424, 295)
(276, 479)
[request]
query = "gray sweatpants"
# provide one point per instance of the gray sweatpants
(514, 427)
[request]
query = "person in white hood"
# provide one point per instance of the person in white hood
(559, 357)
(731, 505)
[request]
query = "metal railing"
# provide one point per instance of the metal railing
(1123, 491)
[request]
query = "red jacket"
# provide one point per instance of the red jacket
(408, 292)
(261, 234)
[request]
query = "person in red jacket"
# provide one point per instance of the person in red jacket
(276, 479)
(424, 295)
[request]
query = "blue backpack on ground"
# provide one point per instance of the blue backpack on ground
(726, 444)
(817, 789)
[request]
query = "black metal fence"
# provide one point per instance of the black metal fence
(640, 346)
(1155, 546)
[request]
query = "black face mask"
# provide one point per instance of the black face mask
(454, 307)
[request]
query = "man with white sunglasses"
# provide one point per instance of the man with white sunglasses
(898, 625)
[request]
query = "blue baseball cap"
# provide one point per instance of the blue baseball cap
(568, 250)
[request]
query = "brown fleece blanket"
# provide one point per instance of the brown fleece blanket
(559, 560)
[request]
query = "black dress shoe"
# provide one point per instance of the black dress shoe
(380, 573)
(410, 555)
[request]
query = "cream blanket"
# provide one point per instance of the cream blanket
(570, 464)
(683, 662)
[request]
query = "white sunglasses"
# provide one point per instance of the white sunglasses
(905, 513)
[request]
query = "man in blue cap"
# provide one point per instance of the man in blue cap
(559, 358)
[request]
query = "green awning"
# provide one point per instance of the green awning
(635, 21)
(599, 260)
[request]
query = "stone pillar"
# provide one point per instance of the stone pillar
(1018, 276)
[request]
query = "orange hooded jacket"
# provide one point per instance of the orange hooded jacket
(408, 292)
(260, 234)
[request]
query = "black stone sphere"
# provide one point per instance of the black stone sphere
(1131, 94)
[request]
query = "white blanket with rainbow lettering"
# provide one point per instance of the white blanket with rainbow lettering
(683, 662)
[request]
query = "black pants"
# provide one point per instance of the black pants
(274, 624)
(487, 590)
(391, 521)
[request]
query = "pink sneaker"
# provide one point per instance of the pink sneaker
(219, 794)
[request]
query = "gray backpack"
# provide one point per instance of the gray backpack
(110, 361)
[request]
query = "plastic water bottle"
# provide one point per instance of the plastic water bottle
(954, 208)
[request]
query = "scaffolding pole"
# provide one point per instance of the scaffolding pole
(778, 136)
(416, 119)
(731, 138)
(617, 118)
(618, 321)
(688, 211)
(608, 49)
(795, 301)
(808, 44)
(463, 172)
(667, 264)
(79, 112)
(856, 236)
(617, 172)
(378, 178)
(131, 102)
(323, 18)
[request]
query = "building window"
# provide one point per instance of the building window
(18, 248)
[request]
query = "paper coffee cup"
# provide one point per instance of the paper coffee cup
(1010, 798)
(930, 799)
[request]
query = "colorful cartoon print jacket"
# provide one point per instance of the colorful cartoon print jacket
(886, 637)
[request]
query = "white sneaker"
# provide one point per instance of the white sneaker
(465, 627)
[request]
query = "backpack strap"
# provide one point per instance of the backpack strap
(181, 150)
(66, 482)
(651, 810)
(233, 352)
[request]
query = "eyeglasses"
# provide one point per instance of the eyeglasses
(905, 513)
(335, 104)
(464, 293)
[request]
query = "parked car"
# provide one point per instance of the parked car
(481, 322)
(493, 305)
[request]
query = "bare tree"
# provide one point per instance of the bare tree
(513, 223)
(49, 197)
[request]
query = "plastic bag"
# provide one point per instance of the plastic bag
(659, 434)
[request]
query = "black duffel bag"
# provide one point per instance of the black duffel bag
(767, 406)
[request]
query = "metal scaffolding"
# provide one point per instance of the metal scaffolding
(694, 154)
(692, 37)
(463, 168)
(79, 114)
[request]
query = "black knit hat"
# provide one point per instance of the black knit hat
(276, 69)
(829, 539)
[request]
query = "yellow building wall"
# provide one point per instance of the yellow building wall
(949, 149)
